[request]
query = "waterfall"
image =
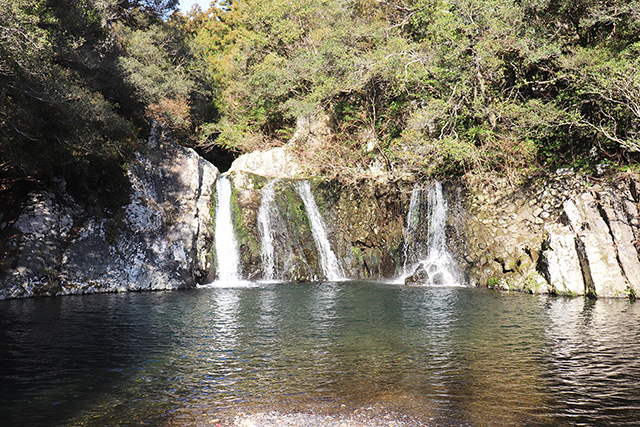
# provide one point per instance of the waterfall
(439, 267)
(226, 246)
(412, 222)
(266, 227)
(328, 261)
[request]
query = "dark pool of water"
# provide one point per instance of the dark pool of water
(439, 355)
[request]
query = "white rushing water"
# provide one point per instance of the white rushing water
(227, 255)
(412, 223)
(328, 261)
(266, 227)
(439, 265)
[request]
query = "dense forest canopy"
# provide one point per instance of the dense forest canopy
(440, 86)
(432, 87)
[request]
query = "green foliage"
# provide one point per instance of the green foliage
(492, 282)
(57, 120)
(426, 86)
(154, 66)
(442, 87)
(158, 7)
(78, 79)
(277, 60)
(630, 293)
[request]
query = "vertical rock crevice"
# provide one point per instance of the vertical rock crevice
(609, 217)
(589, 286)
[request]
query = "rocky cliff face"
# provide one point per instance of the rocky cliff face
(161, 240)
(563, 234)
(365, 226)
(295, 254)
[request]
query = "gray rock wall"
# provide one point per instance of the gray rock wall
(563, 234)
(161, 240)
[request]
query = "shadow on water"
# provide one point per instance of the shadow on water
(63, 355)
(439, 355)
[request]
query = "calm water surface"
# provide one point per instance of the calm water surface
(439, 355)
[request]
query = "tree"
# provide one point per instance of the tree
(73, 109)
(161, 8)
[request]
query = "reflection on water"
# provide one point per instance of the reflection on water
(594, 360)
(440, 355)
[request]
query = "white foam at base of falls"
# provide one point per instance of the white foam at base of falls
(328, 261)
(227, 255)
(439, 265)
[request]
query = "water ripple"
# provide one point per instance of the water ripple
(440, 356)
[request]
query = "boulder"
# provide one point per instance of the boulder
(277, 162)
(313, 132)
(419, 276)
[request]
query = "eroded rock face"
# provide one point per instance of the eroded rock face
(560, 263)
(366, 224)
(273, 163)
(161, 240)
(295, 254)
(562, 234)
(364, 227)
(600, 225)
(312, 131)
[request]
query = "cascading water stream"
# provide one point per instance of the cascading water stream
(227, 255)
(439, 267)
(328, 261)
(266, 228)
(412, 223)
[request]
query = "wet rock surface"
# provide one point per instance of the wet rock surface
(560, 233)
(418, 277)
(365, 227)
(295, 254)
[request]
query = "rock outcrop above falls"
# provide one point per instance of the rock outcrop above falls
(312, 131)
(161, 240)
(273, 163)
